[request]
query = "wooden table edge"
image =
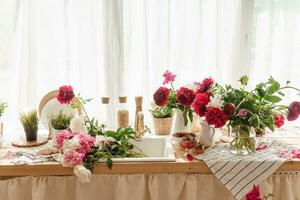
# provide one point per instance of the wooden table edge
(55, 169)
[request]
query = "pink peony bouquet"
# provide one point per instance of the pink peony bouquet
(87, 141)
(74, 148)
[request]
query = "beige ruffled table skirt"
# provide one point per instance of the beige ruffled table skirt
(285, 186)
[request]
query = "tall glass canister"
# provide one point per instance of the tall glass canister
(106, 113)
(123, 113)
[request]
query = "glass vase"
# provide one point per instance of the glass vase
(243, 142)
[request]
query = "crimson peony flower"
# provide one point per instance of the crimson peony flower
(161, 96)
(215, 116)
(169, 77)
(254, 194)
(205, 85)
(199, 103)
(65, 94)
(185, 96)
(279, 120)
(293, 111)
(229, 109)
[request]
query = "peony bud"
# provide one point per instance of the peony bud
(242, 113)
(229, 109)
(293, 111)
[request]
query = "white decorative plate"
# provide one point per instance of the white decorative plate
(49, 106)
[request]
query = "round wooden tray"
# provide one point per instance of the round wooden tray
(22, 142)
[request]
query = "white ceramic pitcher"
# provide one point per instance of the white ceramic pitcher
(207, 135)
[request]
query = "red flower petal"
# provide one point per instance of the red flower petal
(189, 157)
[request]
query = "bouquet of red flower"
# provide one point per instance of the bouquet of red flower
(245, 110)
(181, 99)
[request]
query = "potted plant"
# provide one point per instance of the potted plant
(30, 123)
(162, 119)
(3, 106)
(180, 100)
(59, 123)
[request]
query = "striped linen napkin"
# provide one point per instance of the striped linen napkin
(239, 173)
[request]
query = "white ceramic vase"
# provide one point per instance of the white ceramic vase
(207, 135)
(178, 123)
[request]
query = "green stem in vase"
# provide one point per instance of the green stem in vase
(243, 140)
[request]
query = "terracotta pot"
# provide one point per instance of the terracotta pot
(162, 126)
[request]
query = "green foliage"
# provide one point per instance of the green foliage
(161, 112)
(261, 103)
(29, 121)
(244, 80)
(172, 103)
(94, 127)
(61, 121)
(120, 148)
(3, 106)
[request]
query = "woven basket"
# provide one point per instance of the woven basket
(162, 126)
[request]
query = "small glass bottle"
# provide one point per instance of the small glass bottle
(123, 113)
(106, 113)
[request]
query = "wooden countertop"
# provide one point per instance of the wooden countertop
(180, 166)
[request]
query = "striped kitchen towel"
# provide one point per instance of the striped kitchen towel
(239, 173)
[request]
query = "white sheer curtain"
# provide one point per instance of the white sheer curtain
(276, 43)
(115, 47)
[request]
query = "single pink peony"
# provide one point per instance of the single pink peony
(86, 142)
(169, 77)
(62, 136)
(65, 94)
(72, 158)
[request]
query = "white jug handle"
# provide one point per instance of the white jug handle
(213, 134)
